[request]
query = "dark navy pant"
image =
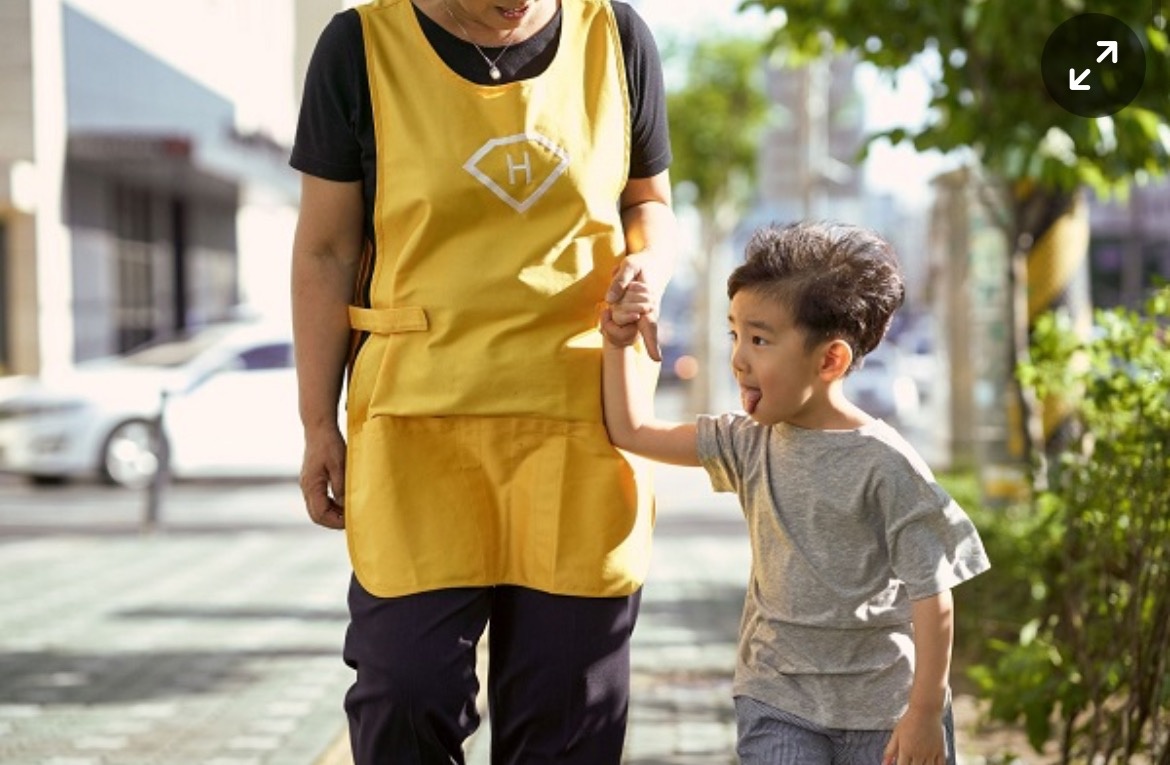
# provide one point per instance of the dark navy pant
(558, 676)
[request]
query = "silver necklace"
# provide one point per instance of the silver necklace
(493, 70)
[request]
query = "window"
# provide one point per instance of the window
(134, 269)
(271, 356)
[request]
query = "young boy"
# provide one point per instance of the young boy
(845, 641)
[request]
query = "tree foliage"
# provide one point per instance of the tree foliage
(988, 95)
(988, 99)
(716, 118)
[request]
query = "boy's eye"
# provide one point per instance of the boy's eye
(732, 335)
(757, 340)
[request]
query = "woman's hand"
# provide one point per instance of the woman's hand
(323, 477)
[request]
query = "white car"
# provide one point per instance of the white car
(230, 410)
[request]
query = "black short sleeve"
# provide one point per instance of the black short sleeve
(649, 132)
(334, 103)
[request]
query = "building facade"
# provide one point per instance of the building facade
(139, 198)
(1129, 249)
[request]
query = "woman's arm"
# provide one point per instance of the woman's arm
(918, 736)
(651, 233)
(326, 254)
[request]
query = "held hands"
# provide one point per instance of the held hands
(623, 320)
(917, 740)
(323, 477)
(633, 298)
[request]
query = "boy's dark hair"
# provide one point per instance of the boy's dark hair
(839, 281)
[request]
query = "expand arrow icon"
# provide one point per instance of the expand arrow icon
(1074, 82)
(1110, 47)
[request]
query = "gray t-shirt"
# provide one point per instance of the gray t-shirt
(847, 527)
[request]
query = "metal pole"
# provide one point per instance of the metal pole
(154, 489)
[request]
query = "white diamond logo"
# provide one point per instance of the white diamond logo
(518, 169)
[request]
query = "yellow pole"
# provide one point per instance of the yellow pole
(1058, 279)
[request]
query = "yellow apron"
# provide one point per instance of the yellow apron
(477, 451)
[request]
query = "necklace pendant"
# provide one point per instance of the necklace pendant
(494, 72)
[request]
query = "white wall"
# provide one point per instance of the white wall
(242, 49)
(246, 51)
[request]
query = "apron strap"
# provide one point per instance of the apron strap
(388, 321)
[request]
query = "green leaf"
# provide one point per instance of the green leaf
(989, 85)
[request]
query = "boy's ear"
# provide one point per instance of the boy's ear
(835, 360)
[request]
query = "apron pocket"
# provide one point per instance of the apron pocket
(414, 520)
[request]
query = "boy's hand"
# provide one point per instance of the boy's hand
(633, 304)
(917, 740)
(621, 320)
(618, 335)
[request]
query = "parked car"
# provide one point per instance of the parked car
(230, 410)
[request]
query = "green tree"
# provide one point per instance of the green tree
(717, 116)
(989, 101)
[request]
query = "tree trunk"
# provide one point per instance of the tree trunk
(699, 399)
(705, 300)
(710, 306)
(1049, 272)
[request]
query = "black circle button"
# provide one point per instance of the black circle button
(1093, 65)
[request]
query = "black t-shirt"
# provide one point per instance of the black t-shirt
(335, 131)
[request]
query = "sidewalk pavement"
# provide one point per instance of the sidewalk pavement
(212, 644)
(216, 644)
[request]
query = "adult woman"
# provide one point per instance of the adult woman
(484, 174)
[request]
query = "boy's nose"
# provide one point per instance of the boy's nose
(737, 360)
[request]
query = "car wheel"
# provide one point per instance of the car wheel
(132, 454)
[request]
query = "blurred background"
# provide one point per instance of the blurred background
(146, 220)
(145, 197)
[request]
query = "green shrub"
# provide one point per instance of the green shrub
(993, 608)
(1090, 665)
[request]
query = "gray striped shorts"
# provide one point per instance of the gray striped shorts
(769, 736)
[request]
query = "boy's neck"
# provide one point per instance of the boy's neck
(832, 411)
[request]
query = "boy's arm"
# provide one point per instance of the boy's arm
(918, 736)
(629, 412)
